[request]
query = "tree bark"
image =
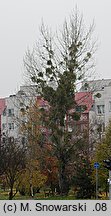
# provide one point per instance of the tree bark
(11, 193)
(63, 182)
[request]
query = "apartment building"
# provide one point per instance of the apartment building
(12, 115)
(8, 126)
(101, 90)
(93, 104)
(2, 107)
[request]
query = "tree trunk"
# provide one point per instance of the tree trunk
(63, 182)
(11, 193)
(31, 190)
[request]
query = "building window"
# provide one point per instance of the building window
(21, 104)
(100, 109)
(4, 112)
(3, 126)
(23, 140)
(81, 108)
(101, 127)
(11, 139)
(10, 112)
(22, 110)
(3, 139)
(11, 126)
(109, 106)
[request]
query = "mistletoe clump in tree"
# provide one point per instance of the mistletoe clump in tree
(56, 64)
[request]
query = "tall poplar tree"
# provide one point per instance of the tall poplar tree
(56, 65)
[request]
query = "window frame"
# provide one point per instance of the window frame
(100, 109)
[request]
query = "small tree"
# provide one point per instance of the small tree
(12, 163)
(82, 180)
(103, 152)
(56, 65)
(31, 179)
(31, 129)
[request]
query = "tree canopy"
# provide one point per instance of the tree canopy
(57, 63)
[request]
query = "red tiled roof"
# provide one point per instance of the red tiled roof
(41, 102)
(84, 98)
(2, 105)
(81, 98)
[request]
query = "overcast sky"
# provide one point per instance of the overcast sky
(19, 23)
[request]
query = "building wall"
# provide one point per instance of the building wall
(95, 85)
(100, 113)
(103, 105)
(107, 96)
(9, 117)
(102, 87)
(98, 110)
(15, 105)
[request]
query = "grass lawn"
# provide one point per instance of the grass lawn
(37, 196)
(40, 196)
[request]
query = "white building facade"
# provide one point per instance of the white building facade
(13, 116)
(15, 105)
(102, 99)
